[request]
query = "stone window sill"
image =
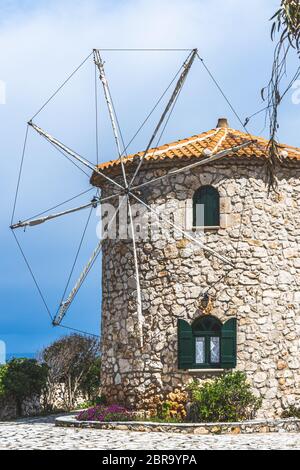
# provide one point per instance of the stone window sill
(213, 228)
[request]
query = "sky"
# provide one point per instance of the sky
(41, 43)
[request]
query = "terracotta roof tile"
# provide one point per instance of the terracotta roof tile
(214, 140)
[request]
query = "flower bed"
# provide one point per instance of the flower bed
(228, 398)
(103, 414)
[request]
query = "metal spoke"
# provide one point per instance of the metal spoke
(186, 68)
(33, 222)
(187, 235)
(126, 190)
(73, 154)
(100, 64)
(137, 277)
(64, 306)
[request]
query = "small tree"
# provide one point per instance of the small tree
(21, 379)
(71, 361)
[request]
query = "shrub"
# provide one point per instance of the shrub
(224, 399)
(174, 407)
(101, 400)
(3, 372)
(291, 412)
(21, 379)
(105, 413)
(90, 403)
(91, 381)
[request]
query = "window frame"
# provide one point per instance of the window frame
(207, 335)
(196, 197)
(186, 334)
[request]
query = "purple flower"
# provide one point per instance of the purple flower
(104, 413)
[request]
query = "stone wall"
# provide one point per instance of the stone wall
(56, 398)
(291, 425)
(30, 407)
(260, 233)
(8, 409)
(36, 405)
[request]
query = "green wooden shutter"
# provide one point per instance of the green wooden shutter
(185, 345)
(228, 344)
(211, 203)
(208, 197)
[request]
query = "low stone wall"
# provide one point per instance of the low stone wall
(30, 407)
(57, 398)
(245, 427)
(8, 409)
(36, 405)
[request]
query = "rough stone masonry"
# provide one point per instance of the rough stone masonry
(259, 232)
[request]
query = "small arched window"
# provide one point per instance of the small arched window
(206, 207)
(207, 337)
(207, 343)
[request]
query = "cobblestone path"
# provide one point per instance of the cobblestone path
(40, 433)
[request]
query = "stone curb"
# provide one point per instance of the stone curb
(245, 427)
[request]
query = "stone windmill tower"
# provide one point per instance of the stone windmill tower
(204, 313)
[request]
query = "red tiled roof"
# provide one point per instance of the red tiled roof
(215, 140)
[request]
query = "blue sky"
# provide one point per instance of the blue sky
(40, 44)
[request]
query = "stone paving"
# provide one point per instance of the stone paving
(40, 433)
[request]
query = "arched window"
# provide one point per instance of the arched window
(207, 344)
(207, 337)
(206, 207)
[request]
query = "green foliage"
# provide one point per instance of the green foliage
(287, 20)
(91, 382)
(224, 399)
(167, 414)
(291, 412)
(85, 405)
(165, 410)
(286, 24)
(3, 372)
(22, 378)
(102, 400)
(90, 403)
